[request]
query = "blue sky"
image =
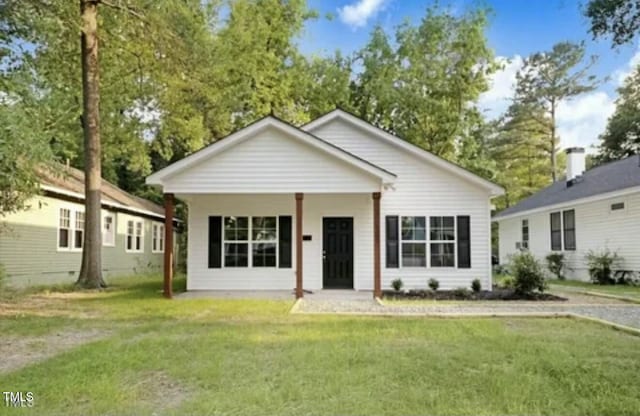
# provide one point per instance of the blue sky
(518, 28)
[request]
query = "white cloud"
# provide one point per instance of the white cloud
(581, 120)
(356, 14)
(496, 100)
(621, 74)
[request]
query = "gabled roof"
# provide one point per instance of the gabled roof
(600, 181)
(250, 131)
(493, 188)
(69, 181)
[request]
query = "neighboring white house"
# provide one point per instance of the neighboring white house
(592, 210)
(372, 208)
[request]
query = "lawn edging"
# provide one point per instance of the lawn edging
(609, 296)
(619, 327)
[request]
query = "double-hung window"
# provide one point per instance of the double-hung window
(264, 237)
(157, 238)
(414, 245)
(64, 228)
(525, 234)
(236, 241)
(70, 229)
(569, 229)
(556, 231)
(442, 236)
(135, 236)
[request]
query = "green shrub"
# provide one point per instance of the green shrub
(506, 282)
(397, 285)
(528, 273)
(601, 265)
(556, 264)
(461, 293)
(476, 286)
(434, 284)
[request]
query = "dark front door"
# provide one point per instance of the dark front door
(337, 253)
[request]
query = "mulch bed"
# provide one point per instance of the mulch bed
(495, 294)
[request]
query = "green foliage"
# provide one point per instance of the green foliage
(548, 78)
(461, 293)
(527, 272)
(397, 284)
(476, 285)
(3, 277)
(602, 265)
(556, 264)
(506, 282)
(622, 135)
(433, 284)
(619, 19)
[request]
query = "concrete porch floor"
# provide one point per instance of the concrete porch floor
(321, 295)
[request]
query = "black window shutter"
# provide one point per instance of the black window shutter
(215, 242)
(464, 242)
(284, 242)
(393, 247)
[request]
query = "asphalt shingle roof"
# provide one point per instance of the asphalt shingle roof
(606, 178)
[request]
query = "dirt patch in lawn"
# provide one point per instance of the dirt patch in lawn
(19, 352)
(160, 391)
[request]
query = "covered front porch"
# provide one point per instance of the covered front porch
(308, 242)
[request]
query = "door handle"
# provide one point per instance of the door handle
(324, 255)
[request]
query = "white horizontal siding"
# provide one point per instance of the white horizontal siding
(597, 228)
(425, 190)
(272, 162)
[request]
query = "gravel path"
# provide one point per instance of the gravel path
(627, 314)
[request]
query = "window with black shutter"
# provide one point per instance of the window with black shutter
(285, 239)
(215, 242)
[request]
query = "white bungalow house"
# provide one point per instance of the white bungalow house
(593, 210)
(336, 203)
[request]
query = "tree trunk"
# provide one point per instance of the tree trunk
(553, 141)
(91, 269)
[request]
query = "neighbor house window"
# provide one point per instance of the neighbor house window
(264, 237)
(108, 230)
(525, 234)
(442, 235)
(569, 227)
(236, 241)
(64, 228)
(78, 233)
(556, 231)
(134, 238)
(157, 238)
(414, 245)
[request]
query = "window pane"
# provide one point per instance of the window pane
(264, 255)
(556, 241)
(569, 219)
(555, 221)
(263, 228)
(414, 255)
(236, 254)
(79, 221)
(129, 242)
(130, 227)
(65, 216)
(570, 240)
(442, 255)
(236, 228)
(77, 240)
(442, 229)
(413, 228)
(63, 238)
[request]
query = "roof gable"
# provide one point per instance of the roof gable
(405, 146)
(254, 130)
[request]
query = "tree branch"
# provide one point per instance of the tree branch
(121, 7)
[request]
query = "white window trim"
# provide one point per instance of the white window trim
(425, 242)
(114, 226)
(250, 242)
(72, 229)
(454, 242)
(575, 229)
(133, 240)
(159, 237)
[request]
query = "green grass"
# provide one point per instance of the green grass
(252, 357)
(632, 292)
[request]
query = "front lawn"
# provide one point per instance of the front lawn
(127, 351)
(632, 292)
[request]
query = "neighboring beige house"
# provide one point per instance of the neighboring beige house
(593, 210)
(43, 243)
(337, 203)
